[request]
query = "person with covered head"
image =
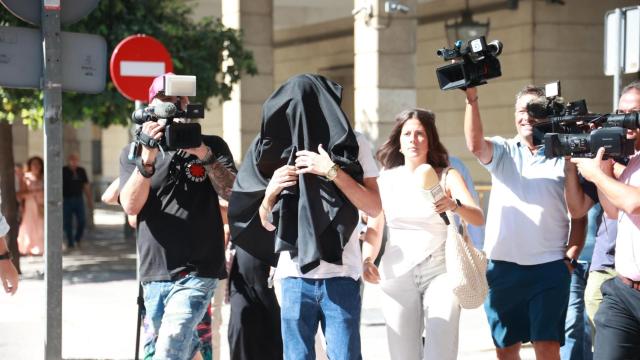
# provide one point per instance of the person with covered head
(297, 195)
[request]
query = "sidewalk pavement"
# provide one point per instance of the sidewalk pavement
(99, 306)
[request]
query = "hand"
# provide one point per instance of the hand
(445, 204)
(592, 168)
(569, 266)
(283, 177)
(155, 131)
(315, 163)
(370, 272)
(202, 151)
(9, 276)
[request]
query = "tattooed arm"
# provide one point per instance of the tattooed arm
(221, 177)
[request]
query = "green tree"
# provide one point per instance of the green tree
(204, 48)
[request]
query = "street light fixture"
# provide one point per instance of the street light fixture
(465, 29)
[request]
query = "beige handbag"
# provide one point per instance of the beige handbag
(466, 265)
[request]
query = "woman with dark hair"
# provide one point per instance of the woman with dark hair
(31, 233)
(412, 270)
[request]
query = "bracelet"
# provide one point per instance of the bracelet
(469, 102)
(143, 170)
(6, 256)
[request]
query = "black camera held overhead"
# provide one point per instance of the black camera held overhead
(478, 63)
(177, 134)
(570, 130)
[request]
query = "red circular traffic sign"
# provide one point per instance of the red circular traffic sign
(135, 62)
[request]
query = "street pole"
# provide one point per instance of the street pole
(52, 88)
(617, 58)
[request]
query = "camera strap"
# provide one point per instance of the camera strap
(145, 139)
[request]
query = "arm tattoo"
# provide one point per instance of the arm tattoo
(221, 178)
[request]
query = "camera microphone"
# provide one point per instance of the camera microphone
(428, 180)
(162, 110)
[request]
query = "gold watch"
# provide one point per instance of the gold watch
(332, 172)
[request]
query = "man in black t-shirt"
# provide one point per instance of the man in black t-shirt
(75, 184)
(180, 231)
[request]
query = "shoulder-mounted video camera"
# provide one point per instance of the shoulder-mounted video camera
(570, 130)
(177, 135)
(478, 63)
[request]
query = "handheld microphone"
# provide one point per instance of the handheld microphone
(428, 180)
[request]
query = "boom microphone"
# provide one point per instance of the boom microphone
(428, 180)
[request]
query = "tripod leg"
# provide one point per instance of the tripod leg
(140, 301)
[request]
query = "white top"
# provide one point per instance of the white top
(351, 254)
(415, 230)
(4, 227)
(628, 239)
(528, 221)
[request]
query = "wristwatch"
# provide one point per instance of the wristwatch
(6, 256)
(332, 172)
(458, 204)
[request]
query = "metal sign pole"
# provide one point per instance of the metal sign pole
(52, 88)
(618, 55)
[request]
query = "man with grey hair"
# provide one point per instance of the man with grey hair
(617, 320)
(526, 234)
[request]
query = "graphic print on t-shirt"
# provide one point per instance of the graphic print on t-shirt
(195, 171)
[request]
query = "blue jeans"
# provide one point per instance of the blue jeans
(577, 344)
(333, 303)
(173, 309)
(73, 206)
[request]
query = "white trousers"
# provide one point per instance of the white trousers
(421, 298)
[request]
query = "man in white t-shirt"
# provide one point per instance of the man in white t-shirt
(329, 294)
(525, 236)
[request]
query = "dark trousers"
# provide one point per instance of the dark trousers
(254, 322)
(73, 206)
(618, 322)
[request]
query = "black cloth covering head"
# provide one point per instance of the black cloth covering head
(314, 219)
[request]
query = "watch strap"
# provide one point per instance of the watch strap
(6, 256)
(142, 168)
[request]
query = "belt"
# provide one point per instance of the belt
(630, 283)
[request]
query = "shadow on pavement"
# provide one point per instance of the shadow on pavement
(105, 255)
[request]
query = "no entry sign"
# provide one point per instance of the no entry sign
(135, 62)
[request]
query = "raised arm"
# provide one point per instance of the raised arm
(365, 197)
(578, 203)
(456, 188)
(473, 133)
(135, 191)
(617, 195)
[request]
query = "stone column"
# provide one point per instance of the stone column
(241, 114)
(384, 66)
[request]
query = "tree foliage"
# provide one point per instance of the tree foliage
(205, 48)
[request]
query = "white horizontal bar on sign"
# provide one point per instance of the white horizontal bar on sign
(141, 68)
